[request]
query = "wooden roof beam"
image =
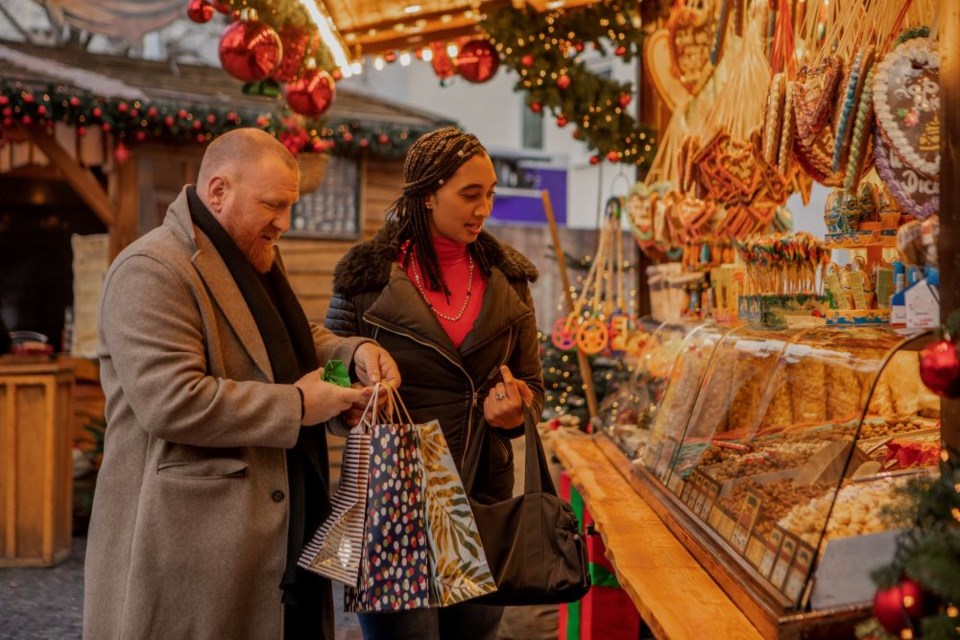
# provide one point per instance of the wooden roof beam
(79, 177)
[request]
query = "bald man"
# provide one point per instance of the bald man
(213, 474)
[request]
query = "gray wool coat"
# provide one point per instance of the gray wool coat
(188, 536)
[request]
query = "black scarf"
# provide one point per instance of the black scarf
(289, 343)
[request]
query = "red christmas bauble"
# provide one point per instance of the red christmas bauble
(899, 606)
(296, 42)
(250, 51)
(561, 121)
(223, 7)
(594, 159)
(477, 61)
(940, 368)
(613, 156)
(536, 107)
(625, 99)
(563, 82)
(312, 94)
(200, 11)
(620, 51)
(527, 60)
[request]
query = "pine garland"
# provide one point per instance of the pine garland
(543, 49)
(136, 121)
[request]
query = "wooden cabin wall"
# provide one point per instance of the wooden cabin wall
(310, 262)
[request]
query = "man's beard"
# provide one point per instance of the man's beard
(257, 253)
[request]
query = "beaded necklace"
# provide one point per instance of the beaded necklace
(417, 280)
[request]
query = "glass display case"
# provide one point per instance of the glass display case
(775, 451)
(628, 414)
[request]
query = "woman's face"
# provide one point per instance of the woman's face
(459, 208)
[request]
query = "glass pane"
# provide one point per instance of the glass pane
(333, 209)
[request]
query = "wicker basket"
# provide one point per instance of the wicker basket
(313, 166)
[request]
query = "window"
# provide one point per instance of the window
(532, 129)
(333, 209)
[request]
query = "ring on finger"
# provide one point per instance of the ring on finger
(500, 396)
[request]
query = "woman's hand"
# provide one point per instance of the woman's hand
(503, 406)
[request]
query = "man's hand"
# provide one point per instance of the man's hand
(373, 364)
(324, 400)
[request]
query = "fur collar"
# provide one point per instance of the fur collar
(366, 267)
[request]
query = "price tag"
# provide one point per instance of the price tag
(747, 517)
(788, 547)
(701, 495)
(797, 575)
(709, 489)
(756, 545)
(770, 553)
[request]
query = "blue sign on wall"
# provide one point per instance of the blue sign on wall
(519, 183)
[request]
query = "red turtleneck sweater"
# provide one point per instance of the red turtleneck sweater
(455, 268)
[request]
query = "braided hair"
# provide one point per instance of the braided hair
(431, 161)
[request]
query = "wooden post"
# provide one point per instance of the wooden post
(948, 247)
(586, 373)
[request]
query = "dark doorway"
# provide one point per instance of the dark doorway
(37, 218)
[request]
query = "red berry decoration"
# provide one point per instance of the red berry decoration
(563, 82)
(200, 11)
(900, 606)
(940, 368)
(312, 94)
(477, 61)
(250, 51)
(527, 60)
(536, 107)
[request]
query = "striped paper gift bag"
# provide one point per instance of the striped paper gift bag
(336, 547)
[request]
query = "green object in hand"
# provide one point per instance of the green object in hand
(335, 372)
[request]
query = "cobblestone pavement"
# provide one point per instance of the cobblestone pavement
(37, 603)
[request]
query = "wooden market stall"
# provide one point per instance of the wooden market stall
(674, 548)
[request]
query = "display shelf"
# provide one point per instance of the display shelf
(770, 448)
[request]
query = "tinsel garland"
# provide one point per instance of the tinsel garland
(543, 49)
(136, 121)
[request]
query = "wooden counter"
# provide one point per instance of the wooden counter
(675, 596)
(36, 470)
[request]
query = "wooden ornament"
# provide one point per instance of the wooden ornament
(658, 62)
(562, 334)
(592, 336)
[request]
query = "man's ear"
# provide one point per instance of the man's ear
(216, 192)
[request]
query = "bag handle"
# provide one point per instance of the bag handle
(395, 410)
(536, 472)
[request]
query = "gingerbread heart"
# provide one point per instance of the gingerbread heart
(691, 41)
(814, 95)
(658, 61)
(906, 99)
(917, 194)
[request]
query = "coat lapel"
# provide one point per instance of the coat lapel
(221, 286)
(400, 307)
(502, 307)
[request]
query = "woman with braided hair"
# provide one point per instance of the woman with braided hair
(452, 305)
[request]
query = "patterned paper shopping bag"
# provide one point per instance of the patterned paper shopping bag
(395, 569)
(335, 549)
(458, 566)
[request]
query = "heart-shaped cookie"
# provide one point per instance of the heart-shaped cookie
(658, 62)
(814, 95)
(917, 194)
(906, 99)
(691, 40)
